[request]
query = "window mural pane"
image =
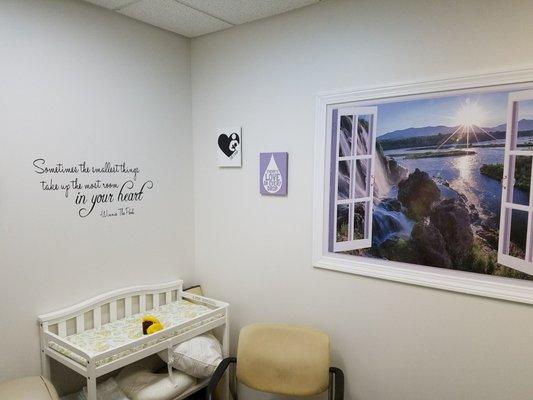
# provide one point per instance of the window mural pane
(364, 126)
(518, 237)
(359, 218)
(520, 171)
(345, 136)
(362, 178)
(342, 222)
(524, 124)
(344, 180)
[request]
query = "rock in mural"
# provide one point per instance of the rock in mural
(417, 193)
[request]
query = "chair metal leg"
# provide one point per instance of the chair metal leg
(217, 376)
(336, 387)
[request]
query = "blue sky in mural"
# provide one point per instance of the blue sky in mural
(483, 109)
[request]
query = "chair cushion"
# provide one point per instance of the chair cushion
(29, 388)
(283, 359)
(195, 290)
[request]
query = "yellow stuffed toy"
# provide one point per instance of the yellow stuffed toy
(151, 325)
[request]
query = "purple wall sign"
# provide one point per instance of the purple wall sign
(273, 168)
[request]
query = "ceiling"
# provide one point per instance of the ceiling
(193, 18)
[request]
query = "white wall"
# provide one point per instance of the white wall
(78, 82)
(393, 341)
(81, 83)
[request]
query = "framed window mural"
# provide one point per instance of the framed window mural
(429, 183)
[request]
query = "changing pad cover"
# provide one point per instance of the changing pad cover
(127, 330)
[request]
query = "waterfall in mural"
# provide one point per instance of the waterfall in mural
(345, 149)
(390, 222)
(382, 180)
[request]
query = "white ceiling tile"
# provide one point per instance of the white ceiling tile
(241, 11)
(175, 17)
(112, 4)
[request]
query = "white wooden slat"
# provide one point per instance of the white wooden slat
(156, 300)
(113, 311)
(127, 306)
(80, 323)
(62, 328)
(528, 237)
(358, 200)
(45, 361)
(97, 317)
(88, 305)
(357, 157)
(526, 153)
(516, 206)
(64, 342)
(65, 361)
(529, 234)
(168, 297)
(142, 302)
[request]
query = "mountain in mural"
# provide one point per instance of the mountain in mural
(523, 125)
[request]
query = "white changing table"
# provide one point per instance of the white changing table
(104, 333)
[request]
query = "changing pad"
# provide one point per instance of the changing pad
(125, 331)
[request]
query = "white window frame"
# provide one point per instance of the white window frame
(367, 201)
(525, 265)
(452, 280)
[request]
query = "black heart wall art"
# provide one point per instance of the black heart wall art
(229, 145)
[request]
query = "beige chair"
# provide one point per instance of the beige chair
(30, 388)
(285, 360)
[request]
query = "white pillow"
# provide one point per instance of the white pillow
(108, 390)
(198, 357)
(140, 383)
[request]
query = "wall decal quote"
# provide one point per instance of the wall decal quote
(94, 186)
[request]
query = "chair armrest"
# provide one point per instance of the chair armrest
(217, 376)
(338, 383)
